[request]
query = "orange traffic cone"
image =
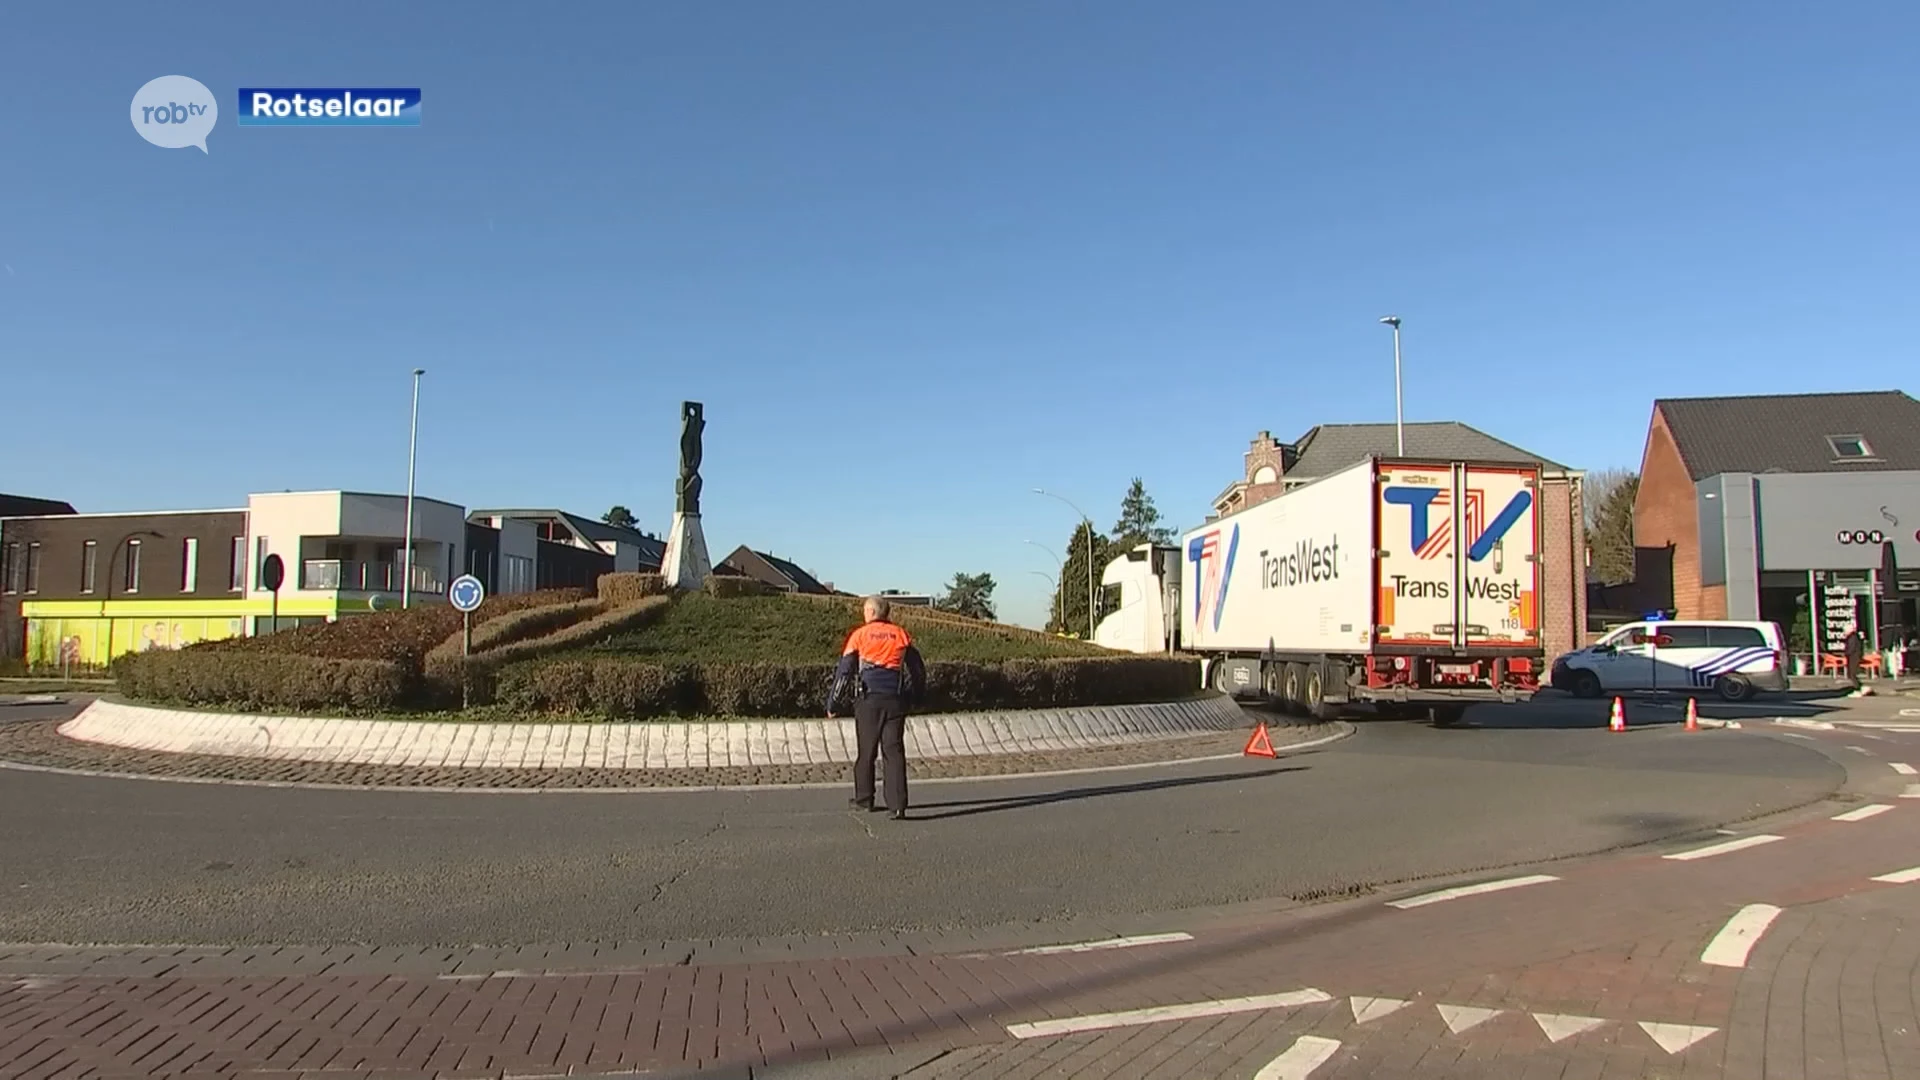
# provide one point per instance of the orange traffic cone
(1618, 721)
(1693, 715)
(1261, 744)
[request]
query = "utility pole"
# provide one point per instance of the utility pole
(1399, 417)
(413, 440)
(1084, 516)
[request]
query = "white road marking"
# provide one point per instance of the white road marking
(1865, 812)
(1901, 767)
(1860, 749)
(1901, 730)
(1162, 1013)
(1817, 725)
(1674, 1038)
(1729, 947)
(1470, 890)
(1900, 877)
(1912, 792)
(1461, 1018)
(1910, 712)
(1558, 1026)
(1795, 735)
(1307, 1053)
(1105, 943)
(1711, 850)
(1373, 1008)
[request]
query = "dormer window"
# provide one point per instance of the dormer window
(1850, 447)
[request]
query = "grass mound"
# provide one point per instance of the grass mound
(792, 630)
(403, 636)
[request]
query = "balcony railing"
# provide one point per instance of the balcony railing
(356, 576)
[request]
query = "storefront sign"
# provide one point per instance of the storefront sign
(1861, 536)
(1839, 613)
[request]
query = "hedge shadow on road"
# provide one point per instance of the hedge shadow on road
(967, 807)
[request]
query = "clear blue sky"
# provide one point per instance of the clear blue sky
(918, 259)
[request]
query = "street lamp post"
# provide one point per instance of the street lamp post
(413, 439)
(1399, 421)
(1089, 520)
(1055, 582)
(1059, 594)
(108, 602)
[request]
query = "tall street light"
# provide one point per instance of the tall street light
(1399, 420)
(107, 604)
(1084, 516)
(1055, 582)
(1059, 596)
(413, 440)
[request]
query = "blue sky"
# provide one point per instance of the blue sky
(918, 259)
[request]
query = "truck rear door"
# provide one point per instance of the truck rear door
(1458, 556)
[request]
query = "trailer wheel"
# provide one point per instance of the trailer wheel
(1293, 695)
(1217, 678)
(1315, 701)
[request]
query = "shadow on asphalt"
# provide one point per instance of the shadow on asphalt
(1553, 710)
(966, 807)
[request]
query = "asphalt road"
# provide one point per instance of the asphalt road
(86, 860)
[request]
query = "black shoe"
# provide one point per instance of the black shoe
(896, 815)
(861, 804)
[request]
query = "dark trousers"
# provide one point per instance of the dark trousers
(880, 723)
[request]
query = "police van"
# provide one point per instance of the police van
(1733, 659)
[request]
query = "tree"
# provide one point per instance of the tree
(1139, 520)
(970, 595)
(1070, 602)
(1609, 495)
(620, 518)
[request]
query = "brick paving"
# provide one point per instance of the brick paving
(1830, 990)
(39, 743)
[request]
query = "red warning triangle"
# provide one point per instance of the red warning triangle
(1260, 745)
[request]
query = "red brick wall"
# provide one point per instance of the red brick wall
(1665, 513)
(1563, 567)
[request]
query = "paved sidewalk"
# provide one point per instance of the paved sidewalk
(1595, 972)
(38, 744)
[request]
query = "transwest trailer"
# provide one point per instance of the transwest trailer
(1408, 584)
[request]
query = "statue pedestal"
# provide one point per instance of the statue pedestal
(686, 564)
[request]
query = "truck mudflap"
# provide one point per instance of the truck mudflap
(1462, 680)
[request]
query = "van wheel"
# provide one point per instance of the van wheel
(1733, 687)
(1293, 694)
(1584, 684)
(1314, 703)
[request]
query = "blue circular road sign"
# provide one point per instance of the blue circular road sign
(466, 592)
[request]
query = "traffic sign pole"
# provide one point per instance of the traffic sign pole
(466, 594)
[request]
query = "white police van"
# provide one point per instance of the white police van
(1733, 659)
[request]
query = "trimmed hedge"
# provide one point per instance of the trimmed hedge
(729, 588)
(627, 688)
(624, 587)
(263, 681)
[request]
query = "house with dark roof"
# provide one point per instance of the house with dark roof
(568, 550)
(782, 574)
(1273, 468)
(1783, 507)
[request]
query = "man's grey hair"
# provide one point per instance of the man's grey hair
(878, 607)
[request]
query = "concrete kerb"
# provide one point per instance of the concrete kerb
(646, 745)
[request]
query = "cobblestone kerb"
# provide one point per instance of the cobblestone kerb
(39, 745)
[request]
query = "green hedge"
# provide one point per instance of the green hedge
(445, 671)
(626, 688)
(263, 680)
(624, 588)
(729, 588)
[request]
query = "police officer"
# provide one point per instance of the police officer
(881, 656)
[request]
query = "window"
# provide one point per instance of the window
(132, 582)
(189, 564)
(89, 558)
(1681, 635)
(259, 562)
(237, 570)
(33, 567)
(1850, 447)
(9, 565)
(1736, 637)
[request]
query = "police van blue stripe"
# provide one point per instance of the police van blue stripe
(1705, 672)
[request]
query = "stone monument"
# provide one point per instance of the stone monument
(686, 564)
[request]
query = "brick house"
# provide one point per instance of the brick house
(1749, 505)
(1274, 467)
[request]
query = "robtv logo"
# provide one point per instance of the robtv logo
(175, 112)
(307, 107)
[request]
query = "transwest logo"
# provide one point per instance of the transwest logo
(305, 107)
(1428, 543)
(1307, 563)
(1477, 589)
(1214, 571)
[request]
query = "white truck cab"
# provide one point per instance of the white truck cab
(1733, 659)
